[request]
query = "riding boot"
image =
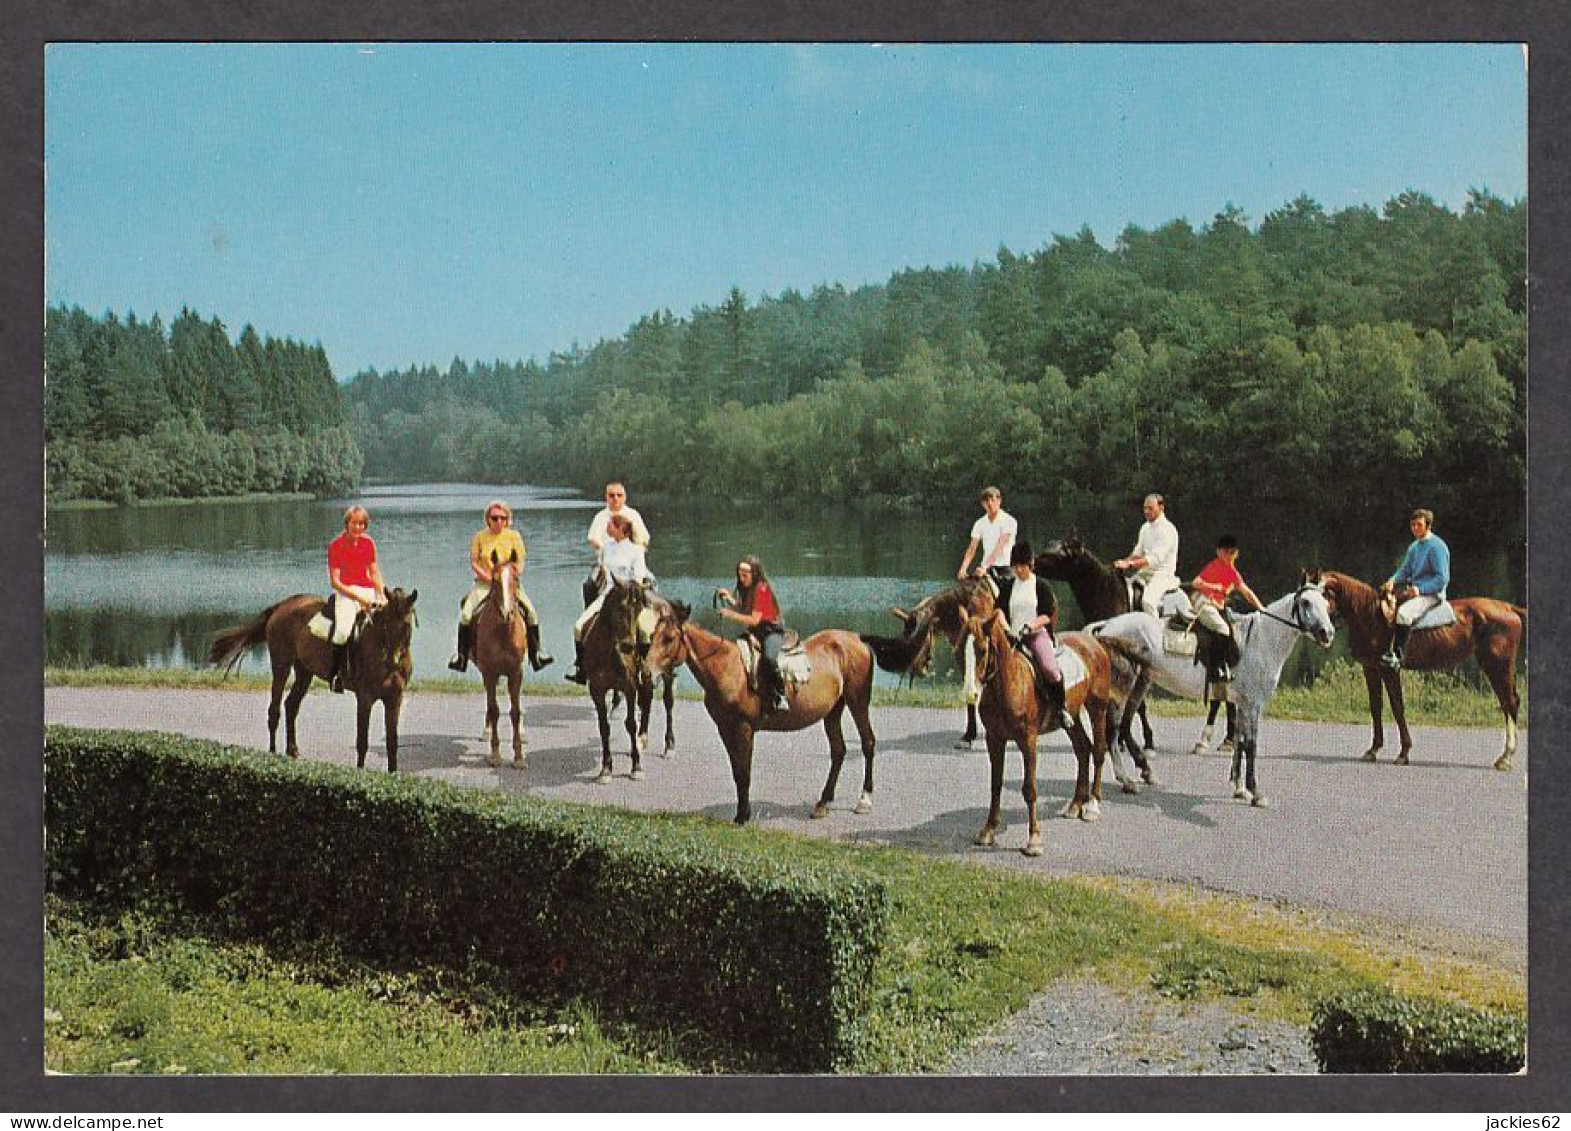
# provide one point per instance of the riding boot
(466, 643)
(1394, 654)
(1221, 672)
(577, 674)
(335, 674)
(1055, 700)
(537, 658)
(773, 688)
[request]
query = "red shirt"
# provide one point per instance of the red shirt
(1219, 579)
(764, 603)
(352, 559)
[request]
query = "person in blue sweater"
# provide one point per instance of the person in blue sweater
(1419, 583)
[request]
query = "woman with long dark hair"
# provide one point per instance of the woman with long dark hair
(754, 606)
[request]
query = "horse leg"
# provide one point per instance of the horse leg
(493, 714)
(514, 685)
(637, 728)
(1501, 671)
(603, 717)
(1230, 734)
(864, 730)
(1393, 681)
(1145, 723)
(646, 702)
(968, 739)
(391, 708)
(362, 728)
(1098, 711)
(1109, 736)
(1376, 711)
(739, 745)
(995, 758)
(1203, 743)
(1033, 844)
(292, 709)
(837, 753)
(669, 695)
(280, 680)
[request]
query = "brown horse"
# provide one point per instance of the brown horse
(501, 642)
(1488, 630)
(611, 663)
(842, 677)
(949, 611)
(378, 663)
(1011, 709)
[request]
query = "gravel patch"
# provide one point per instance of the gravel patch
(1079, 1027)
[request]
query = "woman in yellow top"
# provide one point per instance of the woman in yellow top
(498, 536)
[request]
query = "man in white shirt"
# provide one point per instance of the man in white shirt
(993, 534)
(1155, 556)
(615, 503)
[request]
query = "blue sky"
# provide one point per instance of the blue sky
(409, 203)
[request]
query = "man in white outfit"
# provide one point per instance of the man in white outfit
(1155, 556)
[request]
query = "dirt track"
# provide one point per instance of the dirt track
(1439, 844)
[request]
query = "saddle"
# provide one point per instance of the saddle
(1438, 617)
(321, 625)
(795, 668)
(1070, 666)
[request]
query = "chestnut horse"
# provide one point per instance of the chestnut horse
(1011, 709)
(842, 677)
(378, 659)
(949, 611)
(501, 642)
(1488, 630)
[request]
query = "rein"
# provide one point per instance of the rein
(1296, 624)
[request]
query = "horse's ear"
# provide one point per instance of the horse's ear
(513, 557)
(494, 559)
(683, 611)
(901, 615)
(413, 596)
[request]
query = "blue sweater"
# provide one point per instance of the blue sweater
(1427, 566)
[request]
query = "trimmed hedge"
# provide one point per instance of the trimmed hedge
(1379, 1031)
(685, 924)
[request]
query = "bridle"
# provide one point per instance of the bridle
(1296, 622)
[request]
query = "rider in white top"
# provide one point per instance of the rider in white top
(621, 560)
(994, 534)
(1155, 556)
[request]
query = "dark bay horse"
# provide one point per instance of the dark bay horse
(611, 662)
(842, 677)
(1488, 630)
(1011, 710)
(378, 663)
(501, 642)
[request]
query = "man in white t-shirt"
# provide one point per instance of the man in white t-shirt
(993, 534)
(615, 503)
(1155, 556)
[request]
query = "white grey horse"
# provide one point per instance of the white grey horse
(1265, 640)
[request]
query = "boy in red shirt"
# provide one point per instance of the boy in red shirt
(1211, 588)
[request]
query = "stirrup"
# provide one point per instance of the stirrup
(576, 676)
(459, 663)
(541, 659)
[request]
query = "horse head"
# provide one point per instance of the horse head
(504, 580)
(391, 629)
(1063, 558)
(978, 628)
(667, 643)
(1313, 611)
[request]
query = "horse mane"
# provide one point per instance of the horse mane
(1355, 599)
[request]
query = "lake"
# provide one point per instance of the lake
(149, 586)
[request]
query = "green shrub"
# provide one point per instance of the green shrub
(652, 918)
(1379, 1031)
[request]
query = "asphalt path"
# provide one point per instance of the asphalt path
(1439, 844)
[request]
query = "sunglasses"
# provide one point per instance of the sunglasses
(496, 518)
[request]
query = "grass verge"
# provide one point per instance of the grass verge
(966, 947)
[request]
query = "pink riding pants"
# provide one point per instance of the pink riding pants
(1040, 645)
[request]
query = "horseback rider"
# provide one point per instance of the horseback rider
(1155, 556)
(621, 560)
(754, 605)
(615, 504)
(501, 538)
(357, 584)
(1419, 583)
(1032, 609)
(994, 533)
(1211, 588)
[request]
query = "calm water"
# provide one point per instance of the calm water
(150, 586)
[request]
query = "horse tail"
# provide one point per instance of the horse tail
(1521, 611)
(230, 645)
(894, 653)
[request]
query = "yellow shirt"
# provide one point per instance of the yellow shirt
(503, 542)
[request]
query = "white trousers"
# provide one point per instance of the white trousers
(345, 610)
(1409, 611)
(1157, 586)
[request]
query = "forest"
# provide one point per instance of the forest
(1310, 355)
(131, 412)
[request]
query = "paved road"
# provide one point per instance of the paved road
(1442, 843)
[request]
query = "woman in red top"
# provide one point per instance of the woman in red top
(754, 605)
(357, 583)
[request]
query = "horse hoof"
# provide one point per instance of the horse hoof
(1070, 811)
(963, 744)
(1226, 748)
(643, 744)
(1129, 787)
(864, 804)
(1401, 759)
(668, 752)
(602, 777)
(637, 775)
(1200, 750)
(493, 759)
(984, 839)
(1033, 847)
(1369, 755)
(519, 761)
(1503, 762)
(820, 811)
(1242, 794)
(1092, 811)
(1260, 802)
